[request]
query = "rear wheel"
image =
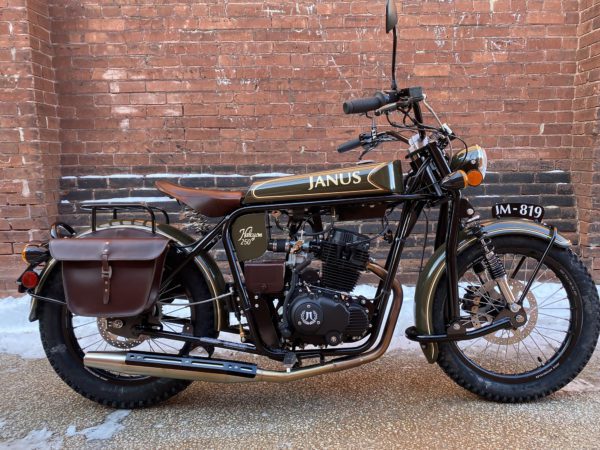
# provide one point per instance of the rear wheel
(539, 357)
(66, 338)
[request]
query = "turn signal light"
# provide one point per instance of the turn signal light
(455, 180)
(30, 279)
(474, 177)
(34, 254)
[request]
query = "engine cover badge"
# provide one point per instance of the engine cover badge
(307, 316)
(249, 235)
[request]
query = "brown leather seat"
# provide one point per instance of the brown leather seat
(208, 202)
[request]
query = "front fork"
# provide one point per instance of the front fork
(462, 214)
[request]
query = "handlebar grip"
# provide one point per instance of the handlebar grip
(363, 105)
(350, 145)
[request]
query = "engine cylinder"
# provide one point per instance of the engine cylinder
(344, 255)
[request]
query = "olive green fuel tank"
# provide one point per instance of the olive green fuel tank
(355, 181)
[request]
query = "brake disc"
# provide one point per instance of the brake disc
(489, 293)
(115, 340)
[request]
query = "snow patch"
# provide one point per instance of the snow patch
(106, 430)
(19, 336)
(406, 319)
(35, 439)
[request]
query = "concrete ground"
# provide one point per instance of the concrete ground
(398, 401)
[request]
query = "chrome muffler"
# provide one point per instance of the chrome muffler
(223, 371)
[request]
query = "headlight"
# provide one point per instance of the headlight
(473, 161)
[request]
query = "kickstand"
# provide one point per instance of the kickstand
(209, 349)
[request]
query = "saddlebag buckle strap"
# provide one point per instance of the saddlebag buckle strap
(106, 274)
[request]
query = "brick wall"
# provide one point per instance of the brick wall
(586, 143)
(186, 86)
(29, 125)
(222, 88)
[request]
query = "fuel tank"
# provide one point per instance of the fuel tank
(354, 181)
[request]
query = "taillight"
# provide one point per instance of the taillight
(30, 279)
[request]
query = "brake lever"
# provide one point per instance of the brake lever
(364, 152)
(370, 142)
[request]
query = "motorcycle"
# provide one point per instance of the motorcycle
(131, 310)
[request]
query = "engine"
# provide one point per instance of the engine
(344, 255)
(321, 310)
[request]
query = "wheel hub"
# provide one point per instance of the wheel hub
(488, 301)
(115, 340)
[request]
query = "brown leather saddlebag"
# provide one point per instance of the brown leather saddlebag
(110, 277)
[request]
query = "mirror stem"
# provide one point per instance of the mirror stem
(394, 86)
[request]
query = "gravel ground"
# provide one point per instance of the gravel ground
(398, 401)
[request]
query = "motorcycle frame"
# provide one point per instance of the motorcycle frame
(412, 206)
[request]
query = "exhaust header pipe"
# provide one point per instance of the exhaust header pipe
(223, 371)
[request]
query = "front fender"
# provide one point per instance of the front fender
(205, 263)
(436, 267)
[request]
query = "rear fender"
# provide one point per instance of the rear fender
(205, 263)
(435, 269)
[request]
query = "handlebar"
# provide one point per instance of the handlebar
(363, 105)
(403, 97)
(350, 145)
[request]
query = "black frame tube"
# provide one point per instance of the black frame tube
(538, 266)
(408, 219)
(451, 253)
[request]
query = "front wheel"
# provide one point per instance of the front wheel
(538, 358)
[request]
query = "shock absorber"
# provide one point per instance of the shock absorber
(494, 266)
(491, 261)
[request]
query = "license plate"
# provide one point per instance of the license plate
(521, 210)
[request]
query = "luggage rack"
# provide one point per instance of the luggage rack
(118, 207)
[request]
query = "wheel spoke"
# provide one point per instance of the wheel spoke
(84, 324)
(554, 317)
(546, 303)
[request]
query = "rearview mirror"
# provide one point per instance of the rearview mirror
(391, 15)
